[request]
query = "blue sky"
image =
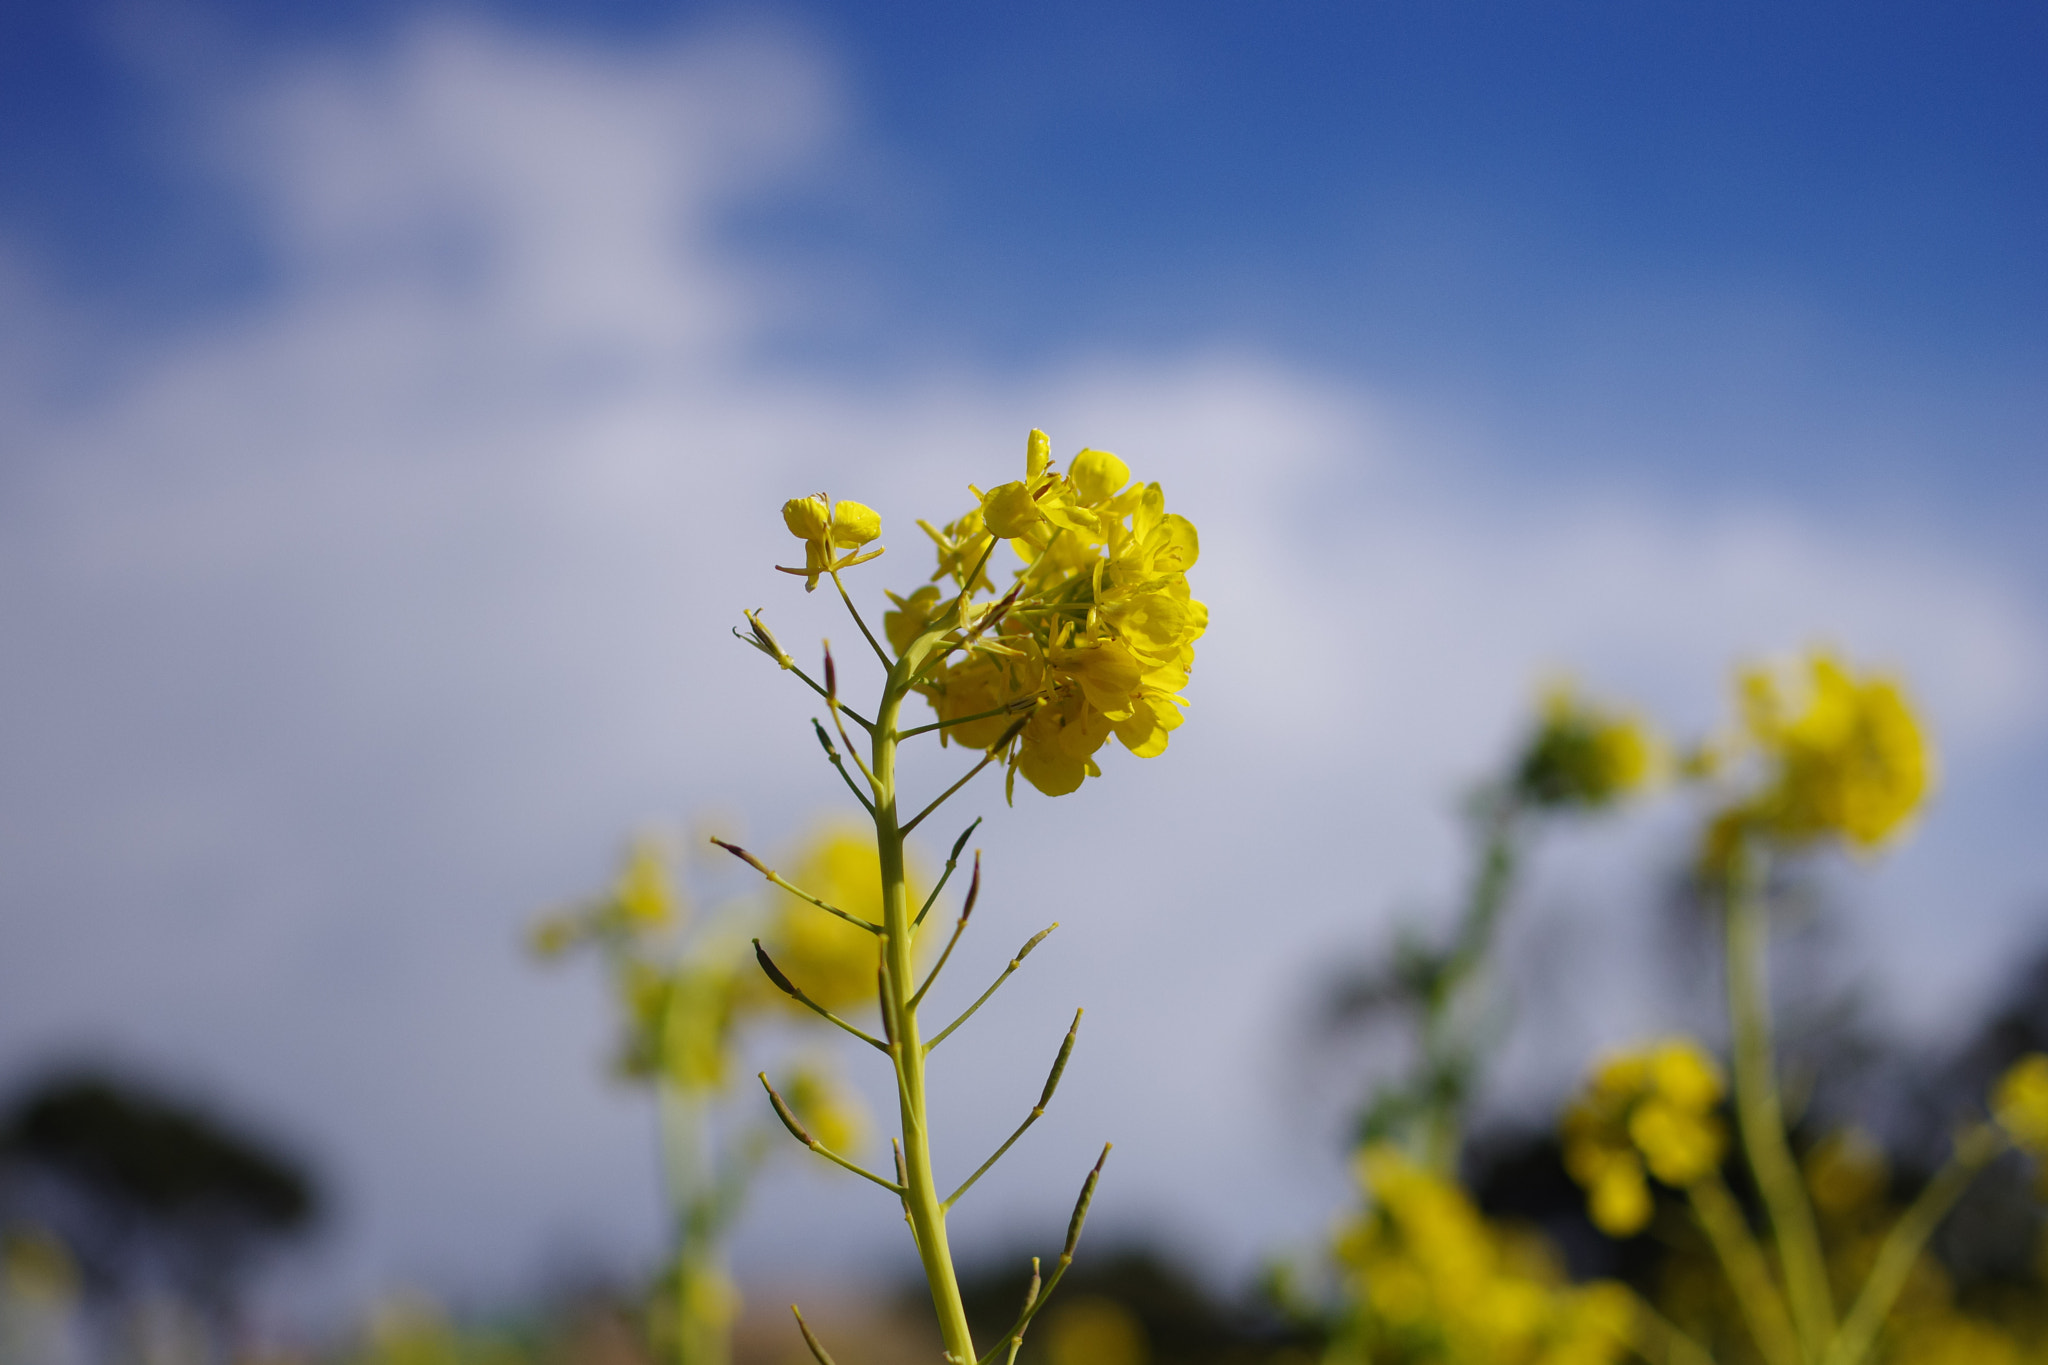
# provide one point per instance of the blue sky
(384, 388)
(1747, 213)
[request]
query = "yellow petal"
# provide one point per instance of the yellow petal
(1098, 476)
(854, 524)
(807, 518)
(1008, 511)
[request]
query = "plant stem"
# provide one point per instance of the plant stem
(1749, 1275)
(1448, 1059)
(920, 1196)
(1759, 1112)
(702, 1330)
(1902, 1246)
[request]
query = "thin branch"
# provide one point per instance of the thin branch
(1005, 709)
(994, 751)
(818, 1352)
(880, 653)
(1030, 1300)
(1052, 1083)
(796, 1130)
(833, 707)
(1015, 963)
(832, 753)
(973, 890)
(1902, 1246)
(1749, 1275)
(1032, 1306)
(952, 861)
(1656, 1338)
(851, 714)
(797, 891)
(790, 989)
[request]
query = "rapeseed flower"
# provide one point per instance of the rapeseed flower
(1653, 1111)
(1435, 1281)
(2020, 1104)
(1094, 637)
(1584, 755)
(825, 528)
(1842, 757)
(834, 960)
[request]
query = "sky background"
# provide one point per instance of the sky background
(395, 401)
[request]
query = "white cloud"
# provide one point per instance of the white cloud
(354, 629)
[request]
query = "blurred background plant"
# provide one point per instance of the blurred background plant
(688, 993)
(1783, 1235)
(142, 1213)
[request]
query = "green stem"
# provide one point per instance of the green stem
(1448, 1063)
(1902, 1246)
(920, 1194)
(1749, 1275)
(1760, 1113)
(703, 1325)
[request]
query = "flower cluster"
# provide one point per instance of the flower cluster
(1652, 1108)
(1093, 638)
(1436, 1282)
(1584, 755)
(685, 986)
(1844, 756)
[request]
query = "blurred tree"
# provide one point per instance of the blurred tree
(148, 1191)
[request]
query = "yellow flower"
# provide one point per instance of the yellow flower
(1845, 756)
(825, 527)
(1095, 1331)
(829, 1110)
(1654, 1107)
(1619, 1199)
(1099, 636)
(2020, 1103)
(1426, 1267)
(832, 961)
(1582, 755)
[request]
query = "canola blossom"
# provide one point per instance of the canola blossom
(827, 528)
(835, 960)
(1583, 755)
(2020, 1104)
(1843, 757)
(1093, 635)
(1435, 1282)
(1655, 1109)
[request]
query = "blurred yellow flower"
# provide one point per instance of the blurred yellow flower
(830, 1110)
(1845, 756)
(1435, 1281)
(2020, 1104)
(833, 961)
(1585, 755)
(1655, 1108)
(1093, 1330)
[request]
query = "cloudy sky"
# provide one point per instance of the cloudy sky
(395, 401)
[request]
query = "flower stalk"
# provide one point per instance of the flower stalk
(1038, 692)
